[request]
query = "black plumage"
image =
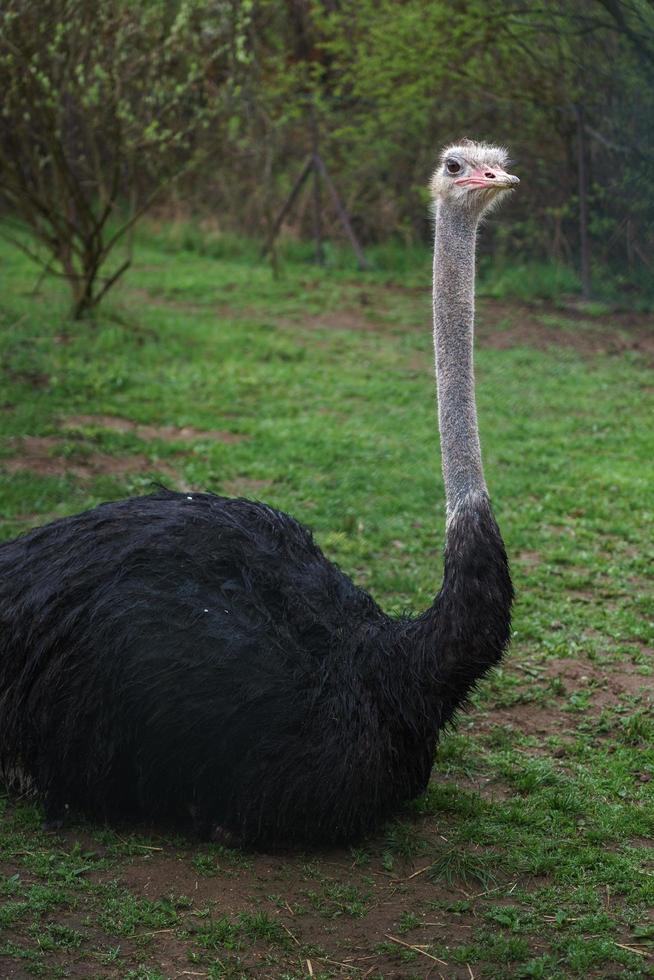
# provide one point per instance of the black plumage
(175, 654)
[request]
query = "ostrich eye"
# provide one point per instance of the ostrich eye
(452, 166)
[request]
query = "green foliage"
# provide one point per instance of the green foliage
(102, 105)
(514, 74)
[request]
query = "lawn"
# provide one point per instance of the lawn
(532, 853)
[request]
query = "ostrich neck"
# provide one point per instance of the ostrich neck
(465, 631)
(454, 304)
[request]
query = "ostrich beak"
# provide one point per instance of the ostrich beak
(488, 177)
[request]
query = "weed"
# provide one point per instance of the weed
(403, 839)
(409, 921)
(123, 914)
(339, 899)
(467, 867)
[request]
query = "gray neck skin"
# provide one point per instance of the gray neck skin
(454, 306)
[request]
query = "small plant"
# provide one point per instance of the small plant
(52, 936)
(259, 925)
(467, 867)
(409, 921)
(205, 865)
(557, 686)
(339, 899)
(403, 839)
(638, 729)
(220, 933)
(124, 914)
(360, 856)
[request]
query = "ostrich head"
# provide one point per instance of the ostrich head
(472, 176)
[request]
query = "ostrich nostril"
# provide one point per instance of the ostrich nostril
(489, 173)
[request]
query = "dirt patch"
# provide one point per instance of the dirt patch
(314, 904)
(528, 558)
(613, 680)
(600, 685)
(43, 455)
(503, 325)
(342, 320)
(344, 916)
(165, 433)
(245, 486)
(499, 324)
(526, 718)
(35, 379)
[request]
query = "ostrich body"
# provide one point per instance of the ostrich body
(179, 654)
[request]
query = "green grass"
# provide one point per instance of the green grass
(531, 853)
(533, 280)
(396, 261)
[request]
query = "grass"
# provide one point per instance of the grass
(531, 853)
(530, 280)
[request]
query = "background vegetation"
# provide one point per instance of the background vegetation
(210, 107)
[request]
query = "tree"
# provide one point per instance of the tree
(103, 107)
(410, 76)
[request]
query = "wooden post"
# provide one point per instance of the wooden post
(341, 212)
(288, 204)
(584, 243)
(317, 201)
(316, 163)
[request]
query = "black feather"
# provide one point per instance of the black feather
(174, 654)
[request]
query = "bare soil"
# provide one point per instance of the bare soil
(245, 486)
(608, 684)
(44, 456)
(297, 897)
(48, 456)
(501, 326)
(147, 432)
(504, 325)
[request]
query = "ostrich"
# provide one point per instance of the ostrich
(186, 655)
